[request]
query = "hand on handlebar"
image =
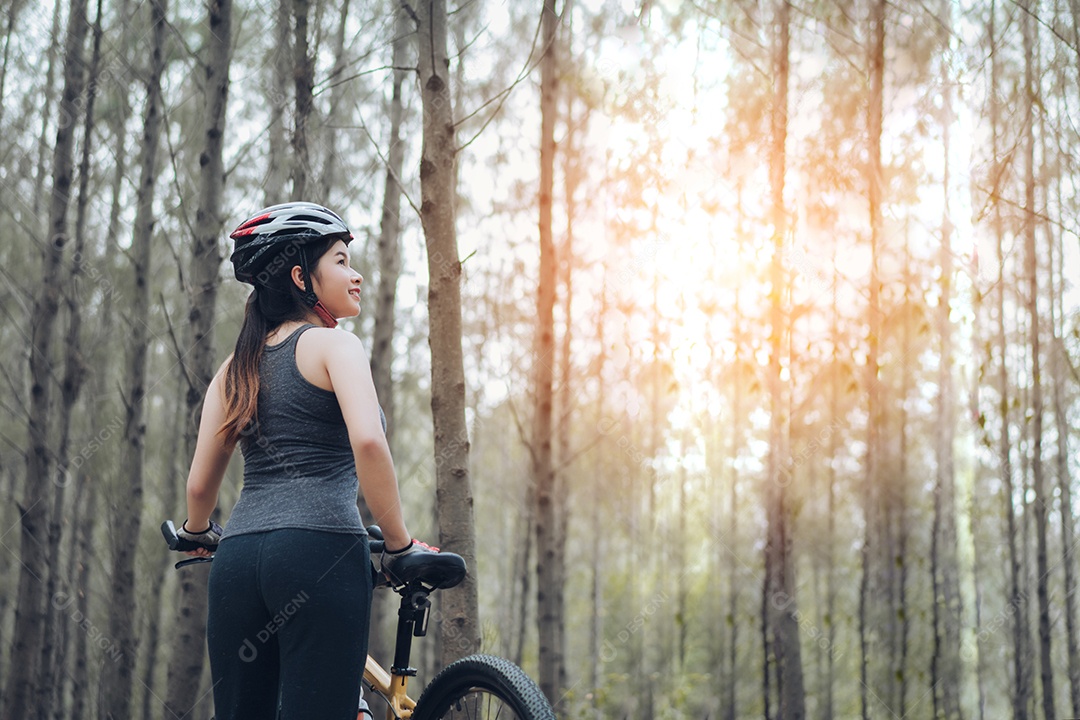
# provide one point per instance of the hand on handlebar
(199, 544)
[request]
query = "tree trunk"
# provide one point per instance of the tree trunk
(30, 607)
(1031, 271)
(117, 125)
(830, 541)
(523, 565)
(1061, 422)
(84, 544)
(46, 108)
(596, 546)
(548, 590)
(189, 632)
(277, 145)
(461, 624)
(767, 643)
(876, 68)
(157, 611)
(1016, 597)
(903, 523)
(782, 600)
(75, 371)
(564, 454)
(337, 88)
(303, 75)
(1074, 9)
(382, 348)
(12, 12)
(731, 704)
(946, 583)
(116, 682)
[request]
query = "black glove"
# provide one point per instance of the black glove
(208, 539)
(395, 563)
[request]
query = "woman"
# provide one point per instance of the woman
(290, 588)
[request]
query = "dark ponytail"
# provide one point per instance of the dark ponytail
(275, 300)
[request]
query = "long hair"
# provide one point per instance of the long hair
(275, 300)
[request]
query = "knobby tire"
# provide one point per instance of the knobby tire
(482, 687)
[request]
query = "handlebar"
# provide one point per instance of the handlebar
(179, 544)
(422, 572)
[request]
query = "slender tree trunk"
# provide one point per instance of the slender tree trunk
(1061, 423)
(12, 12)
(66, 659)
(1025, 490)
(980, 352)
(278, 98)
(876, 66)
(548, 590)
(461, 626)
(563, 483)
(731, 708)
(944, 553)
(112, 256)
(596, 546)
(188, 644)
(980, 665)
(75, 371)
(523, 578)
(303, 75)
(341, 61)
(80, 680)
(899, 669)
(382, 349)
(782, 601)
(46, 109)
(1020, 633)
(1031, 272)
(1074, 8)
(157, 611)
(828, 704)
(768, 662)
(30, 607)
(116, 682)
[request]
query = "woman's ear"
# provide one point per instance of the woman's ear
(297, 275)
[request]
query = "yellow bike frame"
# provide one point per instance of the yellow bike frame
(391, 687)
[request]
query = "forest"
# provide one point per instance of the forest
(733, 343)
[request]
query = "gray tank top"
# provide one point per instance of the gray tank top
(299, 468)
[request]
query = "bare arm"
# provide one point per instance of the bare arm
(211, 457)
(350, 374)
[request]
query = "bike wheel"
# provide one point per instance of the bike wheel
(479, 687)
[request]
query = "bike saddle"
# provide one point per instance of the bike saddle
(435, 570)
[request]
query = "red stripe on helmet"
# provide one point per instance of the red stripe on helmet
(254, 221)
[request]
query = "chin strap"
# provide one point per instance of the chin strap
(309, 294)
(327, 319)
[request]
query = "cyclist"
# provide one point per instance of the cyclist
(290, 589)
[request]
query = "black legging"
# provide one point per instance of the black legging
(288, 625)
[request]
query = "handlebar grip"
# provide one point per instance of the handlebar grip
(375, 539)
(179, 544)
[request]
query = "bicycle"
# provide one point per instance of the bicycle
(478, 686)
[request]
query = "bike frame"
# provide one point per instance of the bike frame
(412, 622)
(391, 687)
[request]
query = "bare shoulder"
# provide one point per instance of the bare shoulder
(329, 343)
(223, 367)
(218, 380)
